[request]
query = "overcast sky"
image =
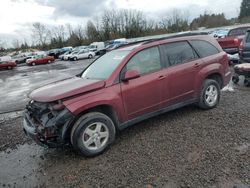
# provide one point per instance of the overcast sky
(16, 16)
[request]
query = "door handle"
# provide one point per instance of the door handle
(196, 65)
(161, 77)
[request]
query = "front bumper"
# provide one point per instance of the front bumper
(31, 131)
(48, 132)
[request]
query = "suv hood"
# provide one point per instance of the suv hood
(65, 88)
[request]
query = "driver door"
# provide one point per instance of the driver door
(144, 94)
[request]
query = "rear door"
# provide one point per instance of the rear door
(182, 66)
(144, 94)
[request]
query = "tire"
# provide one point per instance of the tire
(210, 94)
(49, 61)
(75, 58)
(90, 56)
(235, 79)
(85, 137)
(9, 67)
(246, 83)
(33, 64)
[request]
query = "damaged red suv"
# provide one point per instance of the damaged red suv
(126, 86)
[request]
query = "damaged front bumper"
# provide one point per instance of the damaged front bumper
(47, 128)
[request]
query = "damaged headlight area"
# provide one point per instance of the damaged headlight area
(46, 122)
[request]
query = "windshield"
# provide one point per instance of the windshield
(103, 67)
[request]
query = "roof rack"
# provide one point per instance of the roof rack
(146, 40)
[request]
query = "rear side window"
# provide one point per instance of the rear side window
(237, 32)
(178, 52)
(145, 61)
(248, 37)
(204, 48)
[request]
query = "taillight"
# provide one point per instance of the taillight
(241, 45)
(236, 42)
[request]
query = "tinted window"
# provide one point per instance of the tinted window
(145, 61)
(204, 48)
(248, 37)
(178, 53)
(237, 32)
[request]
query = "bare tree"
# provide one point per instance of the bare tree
(16, 44)
(41, 33)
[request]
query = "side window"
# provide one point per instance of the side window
(248, 37)
(204, 48)
(178, 52)
(145, 61)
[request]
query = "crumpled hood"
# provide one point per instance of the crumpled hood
(65, 88)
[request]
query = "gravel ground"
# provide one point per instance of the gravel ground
(188, 147)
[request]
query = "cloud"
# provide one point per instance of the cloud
(78, 8)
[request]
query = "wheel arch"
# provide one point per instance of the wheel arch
(217, 77)
(108, 110)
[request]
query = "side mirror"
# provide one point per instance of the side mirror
(131, 74)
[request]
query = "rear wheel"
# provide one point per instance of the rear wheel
(9, 67)
(33, 64)
(92, 134)
(75, 58)
(210, 94)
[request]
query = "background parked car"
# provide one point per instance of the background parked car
(244, 50)
(55, 53)
(84, 53)
(65, 55)
(231, 42)
(98, 48)
(40, 59)
(7, 64)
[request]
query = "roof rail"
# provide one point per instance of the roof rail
(146, 40)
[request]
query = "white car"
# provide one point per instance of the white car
(65, 55)
(84, 53)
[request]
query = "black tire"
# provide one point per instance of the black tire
(235, 79)
(202, 100)
(82, 124)
(90, 56)
(75, 58)
(246, 83)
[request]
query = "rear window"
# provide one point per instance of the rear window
(237, 32)
(204, 48)
(178, 52)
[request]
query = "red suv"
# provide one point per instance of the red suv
(126, 86)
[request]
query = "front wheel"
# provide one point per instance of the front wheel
(210, 94)
(90, 56)
(75, 58)
(92, 134)
(33, 64)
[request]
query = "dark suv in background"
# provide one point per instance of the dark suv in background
(126, 86)
(244, 49)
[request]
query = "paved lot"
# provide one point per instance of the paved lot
(188, 147)
(16, 84)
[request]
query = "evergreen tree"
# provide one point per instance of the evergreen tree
(244, 9)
